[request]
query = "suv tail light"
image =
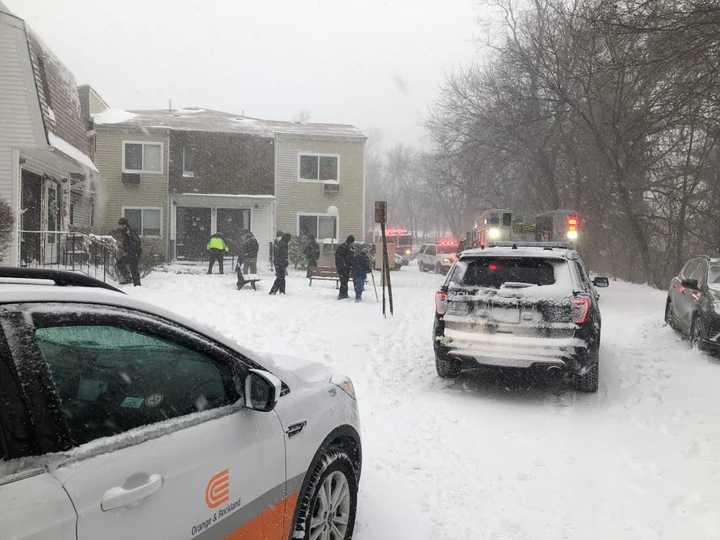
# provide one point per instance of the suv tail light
(441, 302)
(580, 309)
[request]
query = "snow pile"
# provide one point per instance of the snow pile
(493, 454)
(112, 116)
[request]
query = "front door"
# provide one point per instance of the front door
(31, 220)
(231, 222)
(193, 232)
(52, 223)
(165, 448)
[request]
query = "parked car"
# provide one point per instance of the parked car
(693, 303)
(437, 257)
(519, 306)
(122, 420)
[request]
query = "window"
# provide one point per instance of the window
(320, 226)
(431, 250)
(111, 379)
(493, 272)
(699, 272)
(689, 268)
(142, 157)
(714, 276)
(145, 221)
(188, 170)
(319, 168)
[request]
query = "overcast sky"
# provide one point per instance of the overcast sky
(377, 64)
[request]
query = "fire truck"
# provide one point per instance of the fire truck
(501, 225)
(402, 240)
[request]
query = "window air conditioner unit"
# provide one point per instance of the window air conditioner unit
(130, 178)
(331, 188)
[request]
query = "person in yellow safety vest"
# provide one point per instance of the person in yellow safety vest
(216, 249)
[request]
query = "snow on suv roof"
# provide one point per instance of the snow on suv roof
(520, 251)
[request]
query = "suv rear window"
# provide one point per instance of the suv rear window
(494, 272)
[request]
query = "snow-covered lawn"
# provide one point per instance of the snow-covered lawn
(490, 456)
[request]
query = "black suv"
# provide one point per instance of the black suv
(520, 306)
(693, 303)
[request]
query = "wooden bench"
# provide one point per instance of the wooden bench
(250, 279)
(324, 273)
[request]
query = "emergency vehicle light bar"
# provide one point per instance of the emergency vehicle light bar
(518, 244)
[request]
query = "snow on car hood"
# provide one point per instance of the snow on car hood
(292, 369)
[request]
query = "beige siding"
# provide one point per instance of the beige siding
(295, 197)
(151, 192)
(20, 121)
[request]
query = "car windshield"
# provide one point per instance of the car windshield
(495, 272)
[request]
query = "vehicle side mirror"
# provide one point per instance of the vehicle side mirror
(601, 281)
(262, 390)
(690, 283)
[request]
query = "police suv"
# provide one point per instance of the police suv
(519, 305)
(122, 420)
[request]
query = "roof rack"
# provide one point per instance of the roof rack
(59, 277)
(544, 245)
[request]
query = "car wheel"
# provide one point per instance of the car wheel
(447, 368)
(421, 266)
(669, 315)
(326, 509)
(588, 379)
(697, 334)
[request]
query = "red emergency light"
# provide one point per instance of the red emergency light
(447, 242)
(396, 232)
(572, 222)
(492, 267)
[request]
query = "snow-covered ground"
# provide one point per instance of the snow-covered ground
(489, 455)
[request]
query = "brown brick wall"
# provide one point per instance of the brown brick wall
(223, 163)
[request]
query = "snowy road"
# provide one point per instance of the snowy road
(489, 456)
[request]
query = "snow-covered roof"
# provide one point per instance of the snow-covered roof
(58, 95)
(69, 150)
(198, 119)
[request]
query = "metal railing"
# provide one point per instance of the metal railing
(92, 255)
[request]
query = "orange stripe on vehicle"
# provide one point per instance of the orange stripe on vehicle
(274, 523)
(218, 489)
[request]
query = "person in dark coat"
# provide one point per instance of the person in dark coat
(280, 258)
(250, 249)
(343, 264)
(129, 252)
(360, 270)
(312, 253)
(217, 247)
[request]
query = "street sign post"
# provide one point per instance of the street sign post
(381, 218)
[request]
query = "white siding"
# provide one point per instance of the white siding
(19, 111)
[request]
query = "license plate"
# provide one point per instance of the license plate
(458, 308)
(509, 315)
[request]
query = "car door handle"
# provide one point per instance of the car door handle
(120, 496)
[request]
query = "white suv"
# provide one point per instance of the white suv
(436, 257)
(121, 420)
